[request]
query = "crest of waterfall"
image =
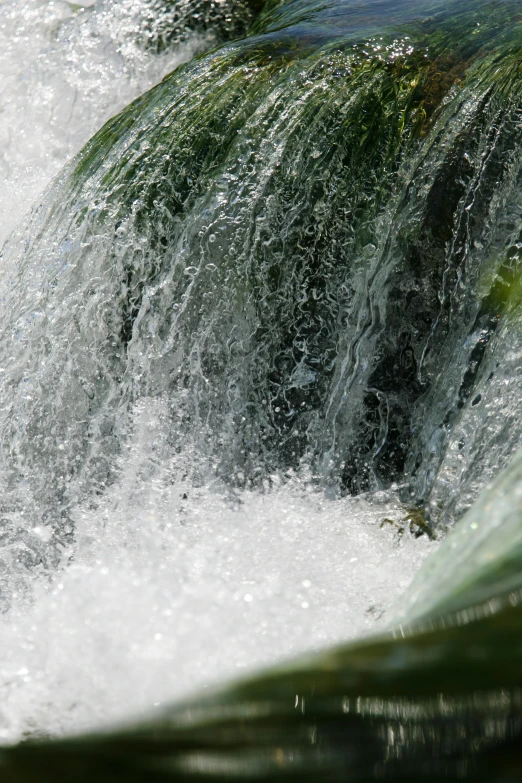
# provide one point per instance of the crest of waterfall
(309, 246)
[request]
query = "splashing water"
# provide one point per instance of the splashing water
(171, 587)
(171, 580)
(66, 68)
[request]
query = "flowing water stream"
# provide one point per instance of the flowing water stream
(153, 574)
(259, 354)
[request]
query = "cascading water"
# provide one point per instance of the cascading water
(261, 329)
(125, 559)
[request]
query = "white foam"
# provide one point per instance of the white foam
(173, 586)
(65, 71)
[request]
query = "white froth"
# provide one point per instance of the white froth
(66, 69)
(171, 587)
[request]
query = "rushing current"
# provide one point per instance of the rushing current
(259, 336)
(161, 576)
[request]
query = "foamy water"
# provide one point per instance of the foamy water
(173, 581)
(66, 68)
(171, 586)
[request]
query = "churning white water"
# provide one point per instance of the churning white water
(170, 582)
(65, 69)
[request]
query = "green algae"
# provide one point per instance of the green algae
(414, 521)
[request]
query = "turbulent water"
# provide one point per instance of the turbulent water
(259, 346)
(66, 68)
(141, 556)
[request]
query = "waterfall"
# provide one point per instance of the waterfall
(259, 343)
